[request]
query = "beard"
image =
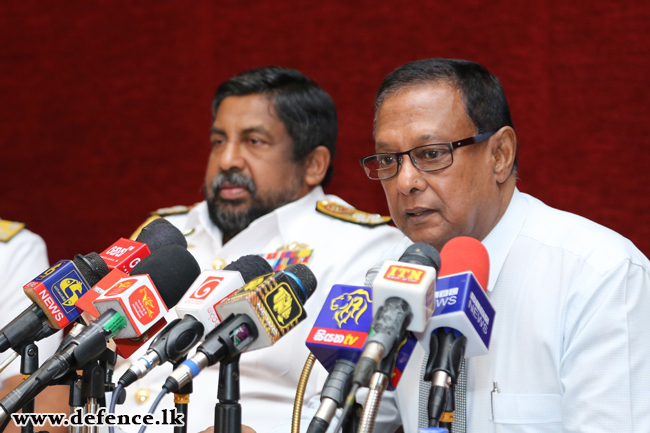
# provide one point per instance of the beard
(230, 219)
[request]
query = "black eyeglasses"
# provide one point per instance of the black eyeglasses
(430, 157)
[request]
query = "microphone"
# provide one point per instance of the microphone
(54, 293)
(258, 316)
(156, 283)
(461, 325)
(196, 309)
(337, 340)
(171, 270)
(86, 346)
(403, 299)
(126, 253)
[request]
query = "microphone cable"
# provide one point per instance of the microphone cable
(155, 404)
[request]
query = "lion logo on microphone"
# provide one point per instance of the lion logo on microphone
(350, 305)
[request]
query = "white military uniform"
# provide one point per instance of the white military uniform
(343, 252)
(23, 256)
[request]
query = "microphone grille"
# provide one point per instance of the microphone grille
(92, 267)
(306, 277)
(422, 254)
(250, 267)
(172, 269)
(159, 233)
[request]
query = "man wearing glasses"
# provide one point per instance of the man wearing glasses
(570, 347)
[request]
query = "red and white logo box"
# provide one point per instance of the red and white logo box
(208, 290)
(125, 254)
(138, 300)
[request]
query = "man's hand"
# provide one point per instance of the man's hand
(244, 429)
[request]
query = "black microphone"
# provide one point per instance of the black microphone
(59, 286)
(259, 316)
(180, 336)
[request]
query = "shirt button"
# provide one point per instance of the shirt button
(218, 264)
(142, 395)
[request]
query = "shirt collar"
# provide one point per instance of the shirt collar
(499, 241)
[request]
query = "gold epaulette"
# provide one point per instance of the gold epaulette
(355, 216)
(162, 212)
(9, 229)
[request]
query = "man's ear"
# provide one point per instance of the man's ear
(316, 166)
(504, 152)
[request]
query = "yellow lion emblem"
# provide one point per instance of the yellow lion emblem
(352, 305)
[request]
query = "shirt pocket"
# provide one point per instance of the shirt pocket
(511, 410)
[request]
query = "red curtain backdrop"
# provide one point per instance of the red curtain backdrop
(105, 105)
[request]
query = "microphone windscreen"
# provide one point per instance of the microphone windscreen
(159, 233)
(464, 254)
(172, 269)
(422, 254)
(250, 267)
(306, 277)
(92, 267)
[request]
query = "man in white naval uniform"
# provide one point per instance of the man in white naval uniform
(273, 139)
(23, 256)
(570, 345)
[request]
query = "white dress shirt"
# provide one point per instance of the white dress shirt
(570, 348)
(343, 252)
(22, 258)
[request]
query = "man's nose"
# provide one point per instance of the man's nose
(231, 157)
(409, 178)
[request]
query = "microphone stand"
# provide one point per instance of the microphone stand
(182, 399)
(92, 390)
(75, 399)
(378, 383)
(227, 413)
(28, 365)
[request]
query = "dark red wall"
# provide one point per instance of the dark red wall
(104, 105)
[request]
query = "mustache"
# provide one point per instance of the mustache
(233, 178)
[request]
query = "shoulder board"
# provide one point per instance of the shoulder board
(162, 212)
(9, 229)
(174, 210)
(338, 211)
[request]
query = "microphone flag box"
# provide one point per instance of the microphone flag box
(416, 284)
(462, 304)
(85, 303)
(124, 347)
(271, 304)
(56, 291)
(125, 254)
(209, 289)
(342, 326)
(137, 299)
